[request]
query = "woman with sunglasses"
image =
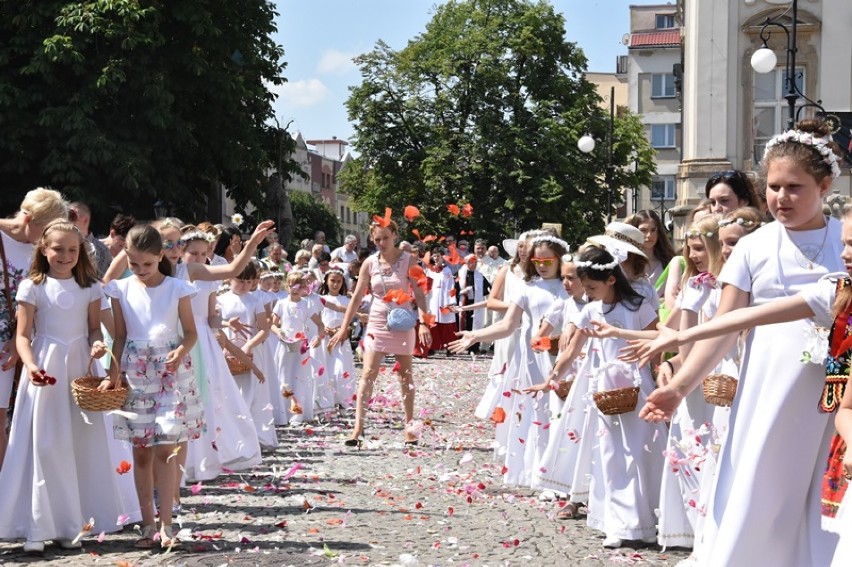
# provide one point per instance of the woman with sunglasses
(729, 191)
(521, 443)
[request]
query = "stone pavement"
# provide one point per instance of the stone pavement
(316, 502)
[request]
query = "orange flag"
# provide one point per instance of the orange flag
(454, 210)
(467, 211)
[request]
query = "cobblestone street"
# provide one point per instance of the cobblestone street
(316, 502)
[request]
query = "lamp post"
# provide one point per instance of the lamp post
(586, 144)
(764, 60)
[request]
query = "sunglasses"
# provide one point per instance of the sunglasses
(543, 261)
(169, 244)
(726, 176)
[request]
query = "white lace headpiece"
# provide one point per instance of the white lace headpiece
(549, 238)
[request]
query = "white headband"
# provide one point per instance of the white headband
(820, 144)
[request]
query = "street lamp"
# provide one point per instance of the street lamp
(764, 60)
(586, 144)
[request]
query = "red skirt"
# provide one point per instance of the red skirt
(834, 481)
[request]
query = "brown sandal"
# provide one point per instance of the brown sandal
(147, 539)
(168, 539)
(568, 512)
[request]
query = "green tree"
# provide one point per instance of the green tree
(121, 103)
(486, 107)
(310, 216)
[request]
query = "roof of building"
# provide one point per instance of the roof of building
(667, 38)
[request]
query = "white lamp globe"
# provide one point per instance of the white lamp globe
(586, 144)
(763, 60)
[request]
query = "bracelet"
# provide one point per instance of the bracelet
(670, 365)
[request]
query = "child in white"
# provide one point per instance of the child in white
(154, 331)
(266, 358)
(317, 364)
(290, 320)
(248, 328)
(58, 472)
(627, 462)
(339, 364)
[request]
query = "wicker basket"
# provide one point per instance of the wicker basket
(554, 346)
(89, 398)
(237, 366)
(720, 389)
(615, 402)
(563, 388)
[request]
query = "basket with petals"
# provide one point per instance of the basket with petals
(616, 402)
(89, 398)
(237, 366)
(720, 389)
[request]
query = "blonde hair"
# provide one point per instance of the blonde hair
(705, 229)
(84, 271)
(44, 205)
(294, 278)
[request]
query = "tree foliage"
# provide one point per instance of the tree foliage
(486, 107)
(120, 102)
(310, 216)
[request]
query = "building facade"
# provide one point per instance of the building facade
(729, 110)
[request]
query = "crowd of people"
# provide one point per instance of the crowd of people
(218, 341)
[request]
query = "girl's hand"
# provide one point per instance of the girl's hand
(543, 387)
(99, 349)
(338, 339)
(173, 360)
(462, 344)
(661, 404)
(664, 374)
(847, 465)
(259, 375)
(238, 327)
(600, 330)
(9, 355)
(261, 231)
(315, 342)
(642, 350)
(425, 335)
(38, 377)
(247, 348)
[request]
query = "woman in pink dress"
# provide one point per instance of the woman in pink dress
(388, 277)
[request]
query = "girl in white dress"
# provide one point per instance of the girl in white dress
(248, 328)
(323, 395)
(525, 440)
(563, 469)
(627, 461)
(340, 364)
(154, 332)
(280, 412)
(766, 505)
(59, 473)
(231, 439)
(290, 320)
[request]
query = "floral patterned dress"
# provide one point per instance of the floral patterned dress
(18, 258)
(164, 406)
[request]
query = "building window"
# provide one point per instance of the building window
(770, 107)
(662, 85)
(663, 135)
(342, 213)
(663, 188)
(665, 21)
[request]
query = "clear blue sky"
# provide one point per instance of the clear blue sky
(320, 38)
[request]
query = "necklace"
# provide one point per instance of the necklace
(807, 254)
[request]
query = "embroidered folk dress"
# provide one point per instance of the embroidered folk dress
(18, 259)
(765, 507)
(166, 404)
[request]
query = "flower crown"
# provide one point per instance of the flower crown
(548, 238)
(334, 270)
(694, 233)
(738, 221)
(820, 144)
(267, 275)
(197, 235)
(601, 267)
